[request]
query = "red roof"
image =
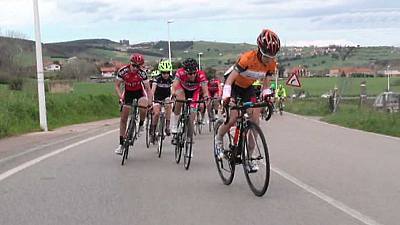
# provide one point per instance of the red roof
(108, 69)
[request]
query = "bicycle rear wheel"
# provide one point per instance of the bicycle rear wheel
(160, 134)
(226, 164)
(255, 154)
(268, 112)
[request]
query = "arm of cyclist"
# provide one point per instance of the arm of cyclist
(153, 90)
(118, 89)
(226, 93)
(204, 89)
(146, 85)
(174, 87)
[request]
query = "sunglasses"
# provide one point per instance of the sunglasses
(135, 65)
(191, 73)
(265, 55)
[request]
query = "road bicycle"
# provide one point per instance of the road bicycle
(131, 132)
(160, 134)
(244, 144)
(184, 136)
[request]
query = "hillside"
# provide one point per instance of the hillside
(215, 54)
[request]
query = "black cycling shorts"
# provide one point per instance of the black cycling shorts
(245, 94)
(130, 95)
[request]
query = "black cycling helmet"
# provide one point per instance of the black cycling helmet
(190, 65)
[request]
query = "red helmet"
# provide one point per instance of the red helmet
(268, 43)
(137, 59)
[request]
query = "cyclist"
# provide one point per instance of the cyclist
(153, 75)
(189, 82)
(162, 91)
(215, 91)
(252, 65)
(257, 85)
(272, 88)
(280, 94)
(136, 86)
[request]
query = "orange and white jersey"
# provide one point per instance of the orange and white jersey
(250, 69)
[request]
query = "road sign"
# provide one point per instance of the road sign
(293, 80)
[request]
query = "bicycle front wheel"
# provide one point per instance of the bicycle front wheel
(225, 164)
(188, 149)
(179, 142)
(148, 124)
(255, 157)
(160, 135)
(128, 140)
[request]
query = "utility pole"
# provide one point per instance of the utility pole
(169, 44)
(39, 66)
(200, 54)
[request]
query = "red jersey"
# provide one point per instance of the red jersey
(201, 79)
(132, 79)
(214, 86)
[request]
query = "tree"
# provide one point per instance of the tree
(78, 70)
(210, 72)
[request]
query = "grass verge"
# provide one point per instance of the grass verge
(349, 115)
(19, 109)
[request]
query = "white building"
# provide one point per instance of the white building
(393, 73)
(52, 67)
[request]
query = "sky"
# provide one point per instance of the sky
(297, 22)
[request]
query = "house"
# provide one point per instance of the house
(72, 59)
(108, 71)
(110, 68)
(349, 71)
(393, 73)
(50, 66)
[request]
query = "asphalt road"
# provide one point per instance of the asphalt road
(321, 174)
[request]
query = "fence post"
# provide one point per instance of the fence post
(363, 93)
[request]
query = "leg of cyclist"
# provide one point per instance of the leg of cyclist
(154, 122)
(142, 102)
(122, 127)
(168, 111)
(251, 138)
(128, 98)
(179, 95)
(193, 110)
(210, 108)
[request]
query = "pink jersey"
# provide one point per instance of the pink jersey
(201, 79)
(133, 79)
(214, 86)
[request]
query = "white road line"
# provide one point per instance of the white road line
(40, 147)
(335, 203)
(346, 128)
(41, 158)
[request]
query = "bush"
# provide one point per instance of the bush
(16, 84)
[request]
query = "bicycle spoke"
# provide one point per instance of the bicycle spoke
(256, 159)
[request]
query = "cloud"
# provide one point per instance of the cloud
(363, 19)
(321, 43)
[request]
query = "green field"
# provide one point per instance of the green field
(88, 102)
(348, 86)
(349, 115)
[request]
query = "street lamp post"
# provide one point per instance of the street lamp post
(388, 78)
(39, 66)
(169, 43)
(200, 53)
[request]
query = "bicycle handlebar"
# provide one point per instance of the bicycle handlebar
(189, 100)
(162, 102)
(242, 107)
